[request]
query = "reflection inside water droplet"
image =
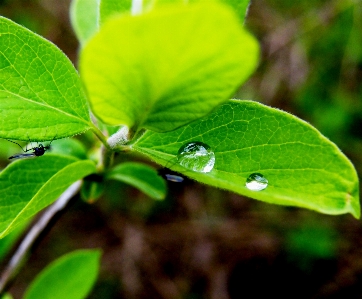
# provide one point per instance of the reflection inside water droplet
(256, 182)
(196, 156)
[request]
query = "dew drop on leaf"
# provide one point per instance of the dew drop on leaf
(256, 182)
(196, 156)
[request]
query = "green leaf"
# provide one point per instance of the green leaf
(70, 147)
(84, 16)
(92, 188)
(9, 240)
(140, 176)
(109, 8)
(29, 185)
(72, 276)
(240, 6)
(303, 167)
(168, 67)
(40, 91)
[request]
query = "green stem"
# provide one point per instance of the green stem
(107, 153)
(106, 159)
(100, 136)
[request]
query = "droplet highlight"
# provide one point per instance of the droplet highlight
(196, 156)
(256, 182)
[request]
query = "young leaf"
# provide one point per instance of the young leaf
(84, 16)
(40, 91)
(140, 176)
(27, 186)
(303, 168)
(168, 67)
(72, 276)
(92, 189)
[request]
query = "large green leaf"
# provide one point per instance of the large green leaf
(109, 8)
(84, 16)
(165, 68)
(40, 91)
(72, 276)
(141, 176)
(303, 167)
(27, 186)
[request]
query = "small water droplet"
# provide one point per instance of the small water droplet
(256, 182)
(196, 156)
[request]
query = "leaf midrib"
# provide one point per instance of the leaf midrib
(48, 107)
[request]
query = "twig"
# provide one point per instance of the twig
(21, 252)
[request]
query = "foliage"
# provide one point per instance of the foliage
(45, 180)
(71, 276)
(141, 80)
(155, 77)
(247, 138)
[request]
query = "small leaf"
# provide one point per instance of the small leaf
(92, 188)
(72, 276)
(140, 176)
(303, 168)
(40, 91)
(168, 67)
(27, 186)
(84, 16)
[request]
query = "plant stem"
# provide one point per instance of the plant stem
(106, 159)
(21, 253)
(100, 136)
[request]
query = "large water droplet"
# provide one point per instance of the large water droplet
(256, 182)
(196, 156)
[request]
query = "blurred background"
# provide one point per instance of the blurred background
(206, 243)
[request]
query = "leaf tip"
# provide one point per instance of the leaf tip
(354, 205)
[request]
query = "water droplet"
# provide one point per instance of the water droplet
(256, 182)
(196, 156)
